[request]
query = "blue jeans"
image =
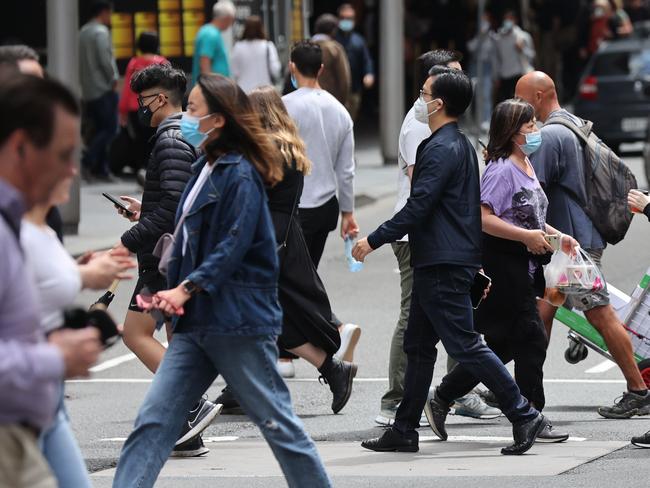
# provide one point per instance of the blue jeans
(190, 365)
(441, 310)
(103, 113)
(62, 453)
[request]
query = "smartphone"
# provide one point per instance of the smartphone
(554, 240)
(481, 283)
(118, 203)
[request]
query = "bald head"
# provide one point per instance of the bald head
(538, 89)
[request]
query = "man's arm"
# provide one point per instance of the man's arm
(205, 65)
(426, 191)
(104, 52)
(368, 66)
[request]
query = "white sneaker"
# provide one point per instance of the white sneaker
(385, 420)
(286, 369)
(350, 334)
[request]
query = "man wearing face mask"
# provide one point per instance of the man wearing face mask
(415, 129)
(160, 89)
(443, 219)
(361, 64)
(514, 54)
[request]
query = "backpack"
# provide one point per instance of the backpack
(607, 182)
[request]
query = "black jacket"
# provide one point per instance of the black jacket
(443, 213)
(168, 171)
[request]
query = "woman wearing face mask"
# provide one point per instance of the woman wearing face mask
(513, 208)
(223, 276)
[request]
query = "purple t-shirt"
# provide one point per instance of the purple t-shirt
(514, 196)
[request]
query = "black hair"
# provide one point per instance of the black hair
(148, 43)
(15, 53)
(28, 102)
(99, 6)
(437, 57)
(438, 70)
(173, 81)
(326, 24)
(454, 88)
(308, 58)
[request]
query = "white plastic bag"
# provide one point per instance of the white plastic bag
(573, 275)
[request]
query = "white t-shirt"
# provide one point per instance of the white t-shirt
(56, 274)
(252, 62)
(411, 135)
(194, 192)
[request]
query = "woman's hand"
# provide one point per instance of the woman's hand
(637, 201)
(171, 301)
(569, 245)
(103, 268)
(134, 205)
(535, 241)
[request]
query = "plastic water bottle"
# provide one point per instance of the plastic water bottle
(353, 264)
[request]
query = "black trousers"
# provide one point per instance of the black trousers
(316, 225)
(441, 311)
(522, 340)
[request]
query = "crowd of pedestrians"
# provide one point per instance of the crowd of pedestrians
(241, 192)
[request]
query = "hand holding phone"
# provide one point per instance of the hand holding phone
(480, 289)
(119, 205)
(554, 240)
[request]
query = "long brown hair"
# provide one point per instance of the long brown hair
(243, 131)
(282, 129)
(507, 119)
(253, 28)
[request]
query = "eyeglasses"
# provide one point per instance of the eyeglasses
(422, 92)
(141, 99)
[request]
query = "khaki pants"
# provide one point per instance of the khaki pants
(21, 463)
(354, 105)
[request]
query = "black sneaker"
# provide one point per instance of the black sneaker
(198, 420)
(629, 405)
(642, 440)
(436, 412)
(339, 377)
(191, 448)
(550, 436)
(230, 404)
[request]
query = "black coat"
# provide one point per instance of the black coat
(443, 213)
(168, 171)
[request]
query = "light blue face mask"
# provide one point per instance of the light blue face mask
(346, 25)
(294, 83)
(191, 132)
(533, 141)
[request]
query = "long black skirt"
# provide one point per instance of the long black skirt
(307, 315)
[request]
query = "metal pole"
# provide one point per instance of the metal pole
(391, 81)
(478, 94)
(63, 64)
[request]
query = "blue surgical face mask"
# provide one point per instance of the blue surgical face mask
(508, 25)
(533, 141)
(191, 132)
(294, 83)
(346, 25)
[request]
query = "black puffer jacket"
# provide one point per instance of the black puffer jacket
(168, 171)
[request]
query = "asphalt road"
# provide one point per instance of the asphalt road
(103, 409)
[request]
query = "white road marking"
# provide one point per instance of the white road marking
(469, 438)
(227, 438)
(357, 380)
(111, 363)
(601, 367)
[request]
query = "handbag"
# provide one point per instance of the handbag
(283, 244)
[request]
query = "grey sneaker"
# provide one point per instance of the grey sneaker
(471, 405)
(198, 420)
(436, 412)
(549, 435)
(387, 419)
(488, 397)
(629, 405)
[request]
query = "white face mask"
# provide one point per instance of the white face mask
(421, 110)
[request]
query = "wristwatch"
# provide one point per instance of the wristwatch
(189, 287)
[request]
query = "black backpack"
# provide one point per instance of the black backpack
(607, 182)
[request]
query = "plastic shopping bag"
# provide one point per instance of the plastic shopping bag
(573, 274)
(353, 265)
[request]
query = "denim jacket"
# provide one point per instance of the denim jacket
(230, 254)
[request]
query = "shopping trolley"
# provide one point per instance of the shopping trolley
(634, 312)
